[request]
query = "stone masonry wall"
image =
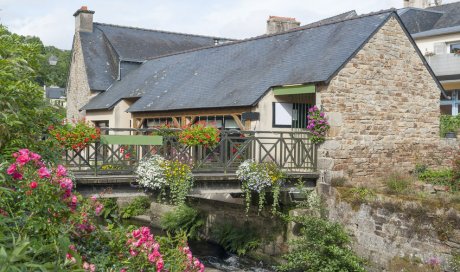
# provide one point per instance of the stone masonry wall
(78, 92)
(383, 107)
(387, 229)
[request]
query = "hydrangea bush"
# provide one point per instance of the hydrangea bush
(159, 174)
(260, 178)
(317, 125)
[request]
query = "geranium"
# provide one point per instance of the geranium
(75, 135)
(317, 125)
(260, 178)
(200, 134)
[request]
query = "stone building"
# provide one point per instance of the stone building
(366, 72)
(436, 30)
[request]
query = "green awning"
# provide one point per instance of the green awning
(132, 139)
(295, 89)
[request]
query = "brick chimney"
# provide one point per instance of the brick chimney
(276, 24)
(83, 20)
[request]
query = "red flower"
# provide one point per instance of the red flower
(33, 185)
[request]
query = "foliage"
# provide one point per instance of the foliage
(455, 262)
(437, 177)
(24, 113)
(449, 123)
(183, 219)
(321, 246)
(75, 135)
(260, 178)
(456, 173)
(317, 125)
(239, 240)
(200, 134)
(110, 210)
(398, 183)
(338, 182)
(44, 226)
(56, 75)
(137, 207)
(159, 174)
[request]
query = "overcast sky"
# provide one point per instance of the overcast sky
(53, 22)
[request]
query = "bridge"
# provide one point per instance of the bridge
(109, 164)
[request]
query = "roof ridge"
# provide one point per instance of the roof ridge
(308, 26)
(164, 31)
(423, 9)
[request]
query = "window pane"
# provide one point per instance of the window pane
(446, 109)
(283, 114)
(454, 47)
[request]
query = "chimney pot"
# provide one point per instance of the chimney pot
(83, 19)
(276, 24)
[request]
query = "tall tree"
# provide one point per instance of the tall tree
(24, 113)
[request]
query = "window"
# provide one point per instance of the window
(290, 115)
(454, 47)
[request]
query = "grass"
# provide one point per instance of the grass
(398, 183)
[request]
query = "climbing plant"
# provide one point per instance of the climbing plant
(317, 125)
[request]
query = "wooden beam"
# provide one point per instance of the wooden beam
(238, 121)
(176, 122)
(200, 112)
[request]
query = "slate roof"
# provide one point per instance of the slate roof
(432, 18)
(240, 73)
(108, 45)
(54, 93)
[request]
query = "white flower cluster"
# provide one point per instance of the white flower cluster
(254, 176)
(150, 172)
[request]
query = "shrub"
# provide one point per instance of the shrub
(449, 124)
(398, 183)
(317, 125)
(338, 182)
(456, 174)
(45, 226)
(236, 239)
(260, 178)
(322, 246)
(454, 263)
(183, 219)
(199, 134)
(159, 174)
(74, 135)
(437, 177)
(137, 207)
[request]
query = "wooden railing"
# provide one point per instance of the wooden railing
(291, 151)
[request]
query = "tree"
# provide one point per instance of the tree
(24, 113)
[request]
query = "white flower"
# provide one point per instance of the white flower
(151, 172)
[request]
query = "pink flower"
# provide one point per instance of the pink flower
(99, 209)
(43, 172)
(17, 176)
(93, 197)
(145, 231)
(11, 169)
(133, 252)
(61, 171)
(66, 183)
(123, 270)
(35, 156)
(92, 267)
(33, 185)
(72, 247)
(86, 266)
(136, 233)
(160, 265)
(74, 199)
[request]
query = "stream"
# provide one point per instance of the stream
(214, 257)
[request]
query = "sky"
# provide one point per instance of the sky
(53, 23)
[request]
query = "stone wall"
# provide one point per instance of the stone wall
(386, 229)
(78, 92)
(383, 107)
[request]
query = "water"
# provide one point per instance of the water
(214, 257)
